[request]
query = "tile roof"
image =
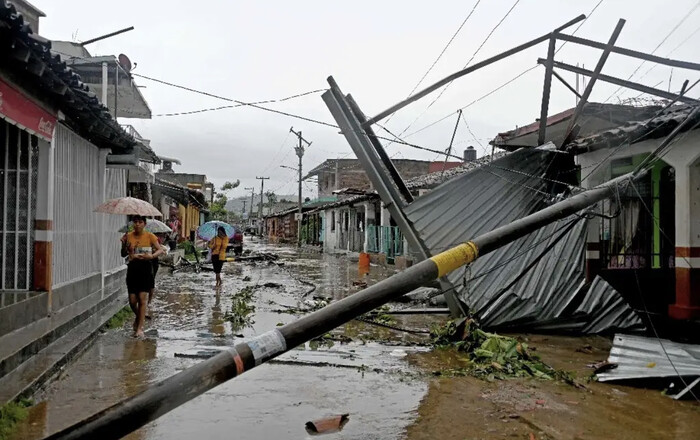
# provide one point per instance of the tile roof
(635, 131)
(27, 59)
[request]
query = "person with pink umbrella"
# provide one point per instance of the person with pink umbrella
(142, 247)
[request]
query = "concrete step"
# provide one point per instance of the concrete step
(38, 369)
(19, 345)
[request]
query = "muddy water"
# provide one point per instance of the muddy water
(371, 381)
(534, 409)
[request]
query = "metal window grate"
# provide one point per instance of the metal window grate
(18, 177)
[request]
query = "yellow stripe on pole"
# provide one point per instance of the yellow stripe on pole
(456, 257)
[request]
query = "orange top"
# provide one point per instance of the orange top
(141, 244)
(218, 246)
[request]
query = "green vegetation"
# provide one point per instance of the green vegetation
(380, 316)
(11, 414)
(117, 321)
(492, 356)
(217, 209)
(241, 309)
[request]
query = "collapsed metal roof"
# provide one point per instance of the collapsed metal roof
(534, 283)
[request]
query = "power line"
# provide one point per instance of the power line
(474, 102)
(441, 54)
(190, 112)
(444, 89)
(249, 104)
(673, 30)
(682, 43)
(509, 81)
(277, 153)
(625, 142)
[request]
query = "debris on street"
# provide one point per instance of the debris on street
(327, 425)
(673, 365)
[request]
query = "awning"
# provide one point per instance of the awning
(19, 110)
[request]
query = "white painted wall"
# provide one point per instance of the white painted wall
(115, 186)
(77, 191)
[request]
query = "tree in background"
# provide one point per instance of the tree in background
(217, 209)
(271, 200)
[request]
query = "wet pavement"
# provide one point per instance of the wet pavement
(390, 385)
(368, 378)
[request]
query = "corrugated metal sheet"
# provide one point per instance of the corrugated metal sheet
(500, 288)
(639, 357)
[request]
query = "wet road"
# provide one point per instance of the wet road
(369, 380)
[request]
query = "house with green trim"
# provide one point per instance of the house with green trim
(645, 241)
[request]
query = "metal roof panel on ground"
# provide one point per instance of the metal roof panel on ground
(501, 288)
(28, 58)
(640, 357)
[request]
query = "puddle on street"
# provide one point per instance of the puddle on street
(371, 381)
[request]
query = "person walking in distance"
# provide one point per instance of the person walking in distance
(141, 247)
(218, 252)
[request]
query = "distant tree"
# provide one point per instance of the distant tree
(218, 207)
(271, 200)
(228, 186)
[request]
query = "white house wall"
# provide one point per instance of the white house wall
(115, 186)
(77, 191)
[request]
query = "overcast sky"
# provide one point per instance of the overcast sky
(376, 50)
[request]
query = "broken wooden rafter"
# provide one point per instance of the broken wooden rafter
(621, 82)
(631, 53)
(594, 77)
(468, 70)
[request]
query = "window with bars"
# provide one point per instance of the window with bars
(19, 156)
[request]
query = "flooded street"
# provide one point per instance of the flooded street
(388, 382)
(366, 378)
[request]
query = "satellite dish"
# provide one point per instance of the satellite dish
(125, 62)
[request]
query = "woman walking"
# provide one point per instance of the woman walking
(141, 247)
(218, 246)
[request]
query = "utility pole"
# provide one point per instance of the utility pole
(260, 211)
(252, 195)
(243, 210)
(300, 153)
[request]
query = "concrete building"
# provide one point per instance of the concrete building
(340, 178)
(61, 269)
(651, 245)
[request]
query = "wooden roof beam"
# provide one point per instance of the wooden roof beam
(630, 53)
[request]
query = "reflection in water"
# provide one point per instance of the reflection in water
(135, 373)
(216, 323)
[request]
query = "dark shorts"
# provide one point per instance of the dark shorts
(139, 276)
(217, 263)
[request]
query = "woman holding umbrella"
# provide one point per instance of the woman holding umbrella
(141, 247)
(218, 251)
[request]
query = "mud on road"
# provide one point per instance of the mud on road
(368, 377)
(391, 386)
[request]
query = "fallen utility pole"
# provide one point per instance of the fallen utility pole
(135, 412)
